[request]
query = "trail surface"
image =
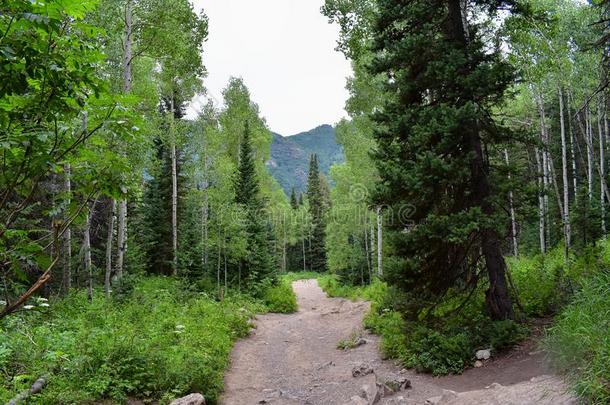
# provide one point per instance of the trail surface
(293, 359)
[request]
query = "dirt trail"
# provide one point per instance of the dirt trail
(293, 359)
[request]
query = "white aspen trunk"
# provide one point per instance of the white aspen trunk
(284, 264)
(379, 242)
(373, 249)
(602, 171)
(304, 257)
(513, 218)
(573, 153)
(589, 137)
(546, 180)
(87, 251)
(127, 80)
(366, 251)
(205, 217)
(589, 144)
(109, 248)
(566, 183)
(174, 190)
(541, 214)
(67, 270)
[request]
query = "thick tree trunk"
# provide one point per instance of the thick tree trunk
(379, 242)
(67, 270)
(109, 238)
(513, 218)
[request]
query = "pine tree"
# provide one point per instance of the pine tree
(317, 209)
(433, 134)
(293, 200)
(258, 264)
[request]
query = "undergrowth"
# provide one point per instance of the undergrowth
(155, 340)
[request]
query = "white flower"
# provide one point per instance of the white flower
(179, 327)
(44, 304)
(2, 302)
(28, 307)
(42, 299)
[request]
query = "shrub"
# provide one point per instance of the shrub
(156, 342)
(280, 298)
(579, 343)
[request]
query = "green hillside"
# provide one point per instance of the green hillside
(290, 156)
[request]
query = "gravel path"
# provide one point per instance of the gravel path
(293, 359)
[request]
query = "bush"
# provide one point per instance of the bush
(157, 342)
(280, 298)
(441, 345)
(579, 343)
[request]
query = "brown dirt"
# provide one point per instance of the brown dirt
(293, 359)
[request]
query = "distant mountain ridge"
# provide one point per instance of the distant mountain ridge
(289, 162)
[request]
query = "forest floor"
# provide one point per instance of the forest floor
(294, 359)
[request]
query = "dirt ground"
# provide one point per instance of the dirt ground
(293, 359)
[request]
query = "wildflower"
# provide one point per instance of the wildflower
(28, 307)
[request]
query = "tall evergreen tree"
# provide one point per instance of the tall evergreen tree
(258, 264)
(293, 200)
(433, 134)
(317, 209)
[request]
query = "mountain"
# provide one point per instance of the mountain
(289, 161)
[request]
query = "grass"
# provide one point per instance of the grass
(157, 340)
(579, 342)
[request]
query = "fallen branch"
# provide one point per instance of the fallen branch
(33, 390)
(42, 280)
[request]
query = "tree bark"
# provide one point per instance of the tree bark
(127, 81)
(541, 216)
(67, 270)
(602, 170)
(566, 185)
(109, 239)
(174, 191)
(513, 219)
(87, 251)
(589, 137)
(379, 242)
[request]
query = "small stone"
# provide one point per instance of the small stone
(192, 399)
(393, 383)
(360, 341)
(478, 364)
(483, 354)
(362, 370)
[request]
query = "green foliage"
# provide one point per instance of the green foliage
(444, 346)
(159, 341)
(317, 209)
(579, 343)
(280, 298)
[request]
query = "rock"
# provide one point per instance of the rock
(355, 400)
(362, 370)
(192, 399)
(360, 341)
(393, 383)
(271, 393)
(483, 354)
(446, 397)
(478, 364)
(371, 393)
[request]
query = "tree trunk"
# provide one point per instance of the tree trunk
(589, 137)
(379, 242)
(602, 171)
(366, 250)
(127, 80)
(108, 273)
(67, 270)
(566, 185)
(373, 249)
(174, 192)
(205, 218)
(513, 219)
(546, 179)
(304, 257)
(541, 216)
(87, 251)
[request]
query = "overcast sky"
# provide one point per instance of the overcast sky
(285, 52)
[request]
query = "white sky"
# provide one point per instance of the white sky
(285, 52)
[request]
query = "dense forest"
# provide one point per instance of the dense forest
(136, 245)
